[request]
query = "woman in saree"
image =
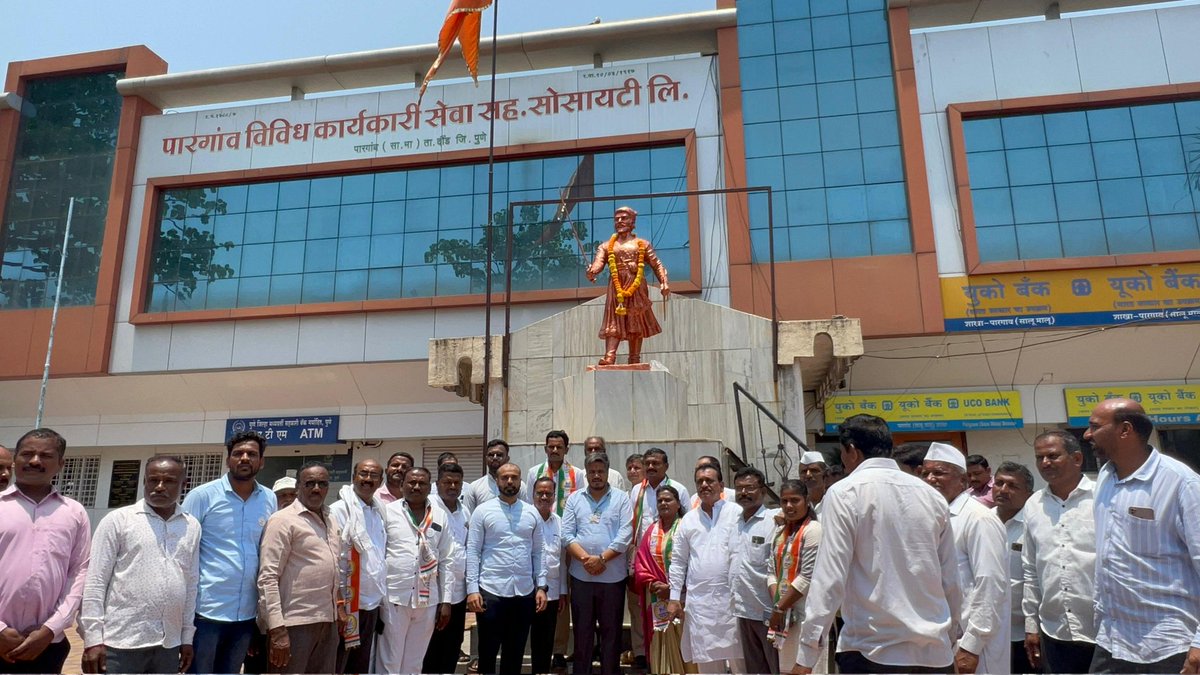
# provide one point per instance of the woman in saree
(789, 572)
(650, 579)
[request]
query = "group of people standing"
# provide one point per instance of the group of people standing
(1080, 576)
(919, 560)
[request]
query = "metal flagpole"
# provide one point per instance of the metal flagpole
(62, 264)
(487, 306)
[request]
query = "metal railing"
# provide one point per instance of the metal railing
(782, 462)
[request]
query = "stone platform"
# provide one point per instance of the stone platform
(622, 404)
(619, 367)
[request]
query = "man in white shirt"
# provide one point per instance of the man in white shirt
(910, 457)
(700, 564)
(979, 542)
(441, 656)
(887, 560)
(567, 481)
(1012, 484)
(139, 602)
(813, 470)
(360, 516)
(726, 493)
(506, 579)
(484, 488)
(541, 634)
(420, 576)
(750, 545)
(1147, 549)
(634, 469)
(285, 492)
(1059, 559)
(615, 478)
(643, 496)
(442, 460)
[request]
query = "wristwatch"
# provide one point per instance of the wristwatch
(544, 589)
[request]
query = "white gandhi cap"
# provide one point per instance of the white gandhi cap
(940, 452)
(285, 483)
(812, 457)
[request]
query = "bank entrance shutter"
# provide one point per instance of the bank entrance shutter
(470, 458)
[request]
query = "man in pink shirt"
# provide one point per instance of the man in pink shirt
(979, 478)
(392, 489)
(45, 541)
(6, 460)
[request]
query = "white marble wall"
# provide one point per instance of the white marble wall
(622, 405)
(1137, 48)
(706, 345)
(682, 455)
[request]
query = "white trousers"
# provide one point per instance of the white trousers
(734, 666)
(406, 633)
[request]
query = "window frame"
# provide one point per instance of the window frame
(138, 315)
(956, 113)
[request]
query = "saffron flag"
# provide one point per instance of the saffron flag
(462, 23)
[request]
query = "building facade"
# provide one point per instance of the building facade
(1009, 206)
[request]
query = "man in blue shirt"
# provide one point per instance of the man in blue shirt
(1147, 549)
(597, 525)
(232, 511)
(506, 579)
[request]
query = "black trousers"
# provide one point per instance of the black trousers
(1019, 660)
(541, 637)
(49, 661)
(1060, 656)
(444, 645)
(760, 656)
(145, 660)
(504, 628)
(855, 662)
(358, 659)
(1104, 662)
(596, 603)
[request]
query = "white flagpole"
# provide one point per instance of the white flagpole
(62, 265)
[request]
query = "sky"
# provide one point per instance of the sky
(215, 33)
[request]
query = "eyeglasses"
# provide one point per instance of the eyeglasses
(310, 484)
(369, 475)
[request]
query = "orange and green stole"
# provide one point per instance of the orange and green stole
(661, 543)
(787, 552)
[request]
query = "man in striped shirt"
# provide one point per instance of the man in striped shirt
(1147, 549)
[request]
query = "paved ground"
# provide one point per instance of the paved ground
(74, 659)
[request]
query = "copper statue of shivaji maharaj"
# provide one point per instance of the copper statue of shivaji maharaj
(628, 312)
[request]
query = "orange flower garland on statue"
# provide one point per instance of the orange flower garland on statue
(625, 293)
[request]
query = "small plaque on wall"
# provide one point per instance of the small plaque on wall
(123, 490)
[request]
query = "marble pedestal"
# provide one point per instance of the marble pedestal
(622, 405)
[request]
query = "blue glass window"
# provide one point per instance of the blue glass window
(65, 145)
(406, 234)
(1104, 181)
(836, 149)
